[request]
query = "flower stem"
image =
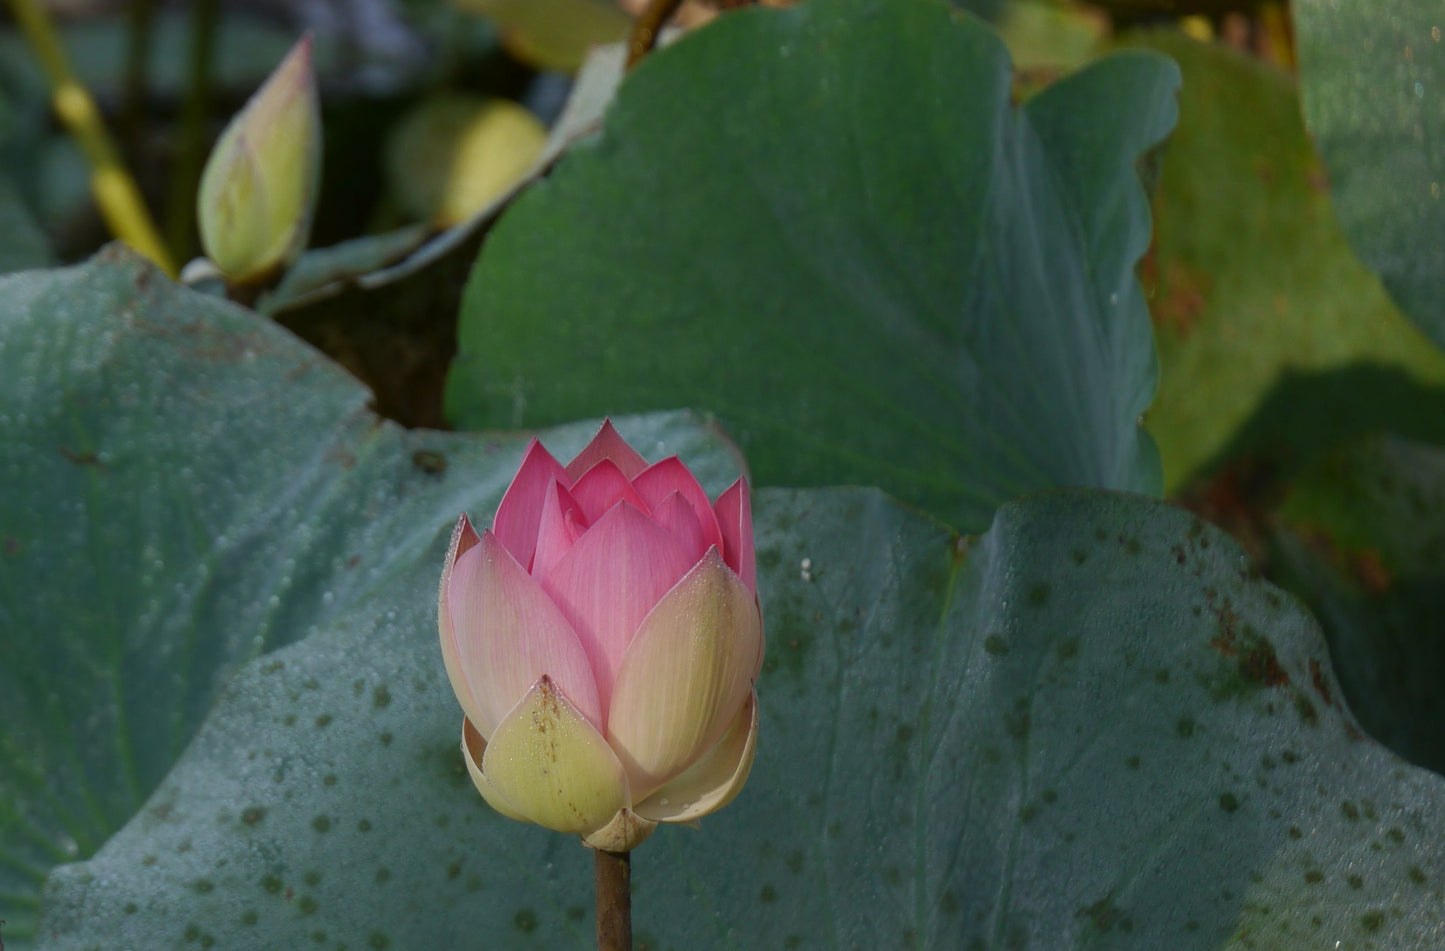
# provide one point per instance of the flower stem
(645, 31)
(116, 194)
(614, 900)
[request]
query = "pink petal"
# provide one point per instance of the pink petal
(562, 524)
(509, 633)
(608, 582)
(676, 515)
(661, 479)
(735, 518)
(464, 538)
(602, 487)
(607, 444)
(521, 508)
(685, 675)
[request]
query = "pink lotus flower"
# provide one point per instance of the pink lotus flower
(603, 639)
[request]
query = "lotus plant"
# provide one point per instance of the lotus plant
(603, 638)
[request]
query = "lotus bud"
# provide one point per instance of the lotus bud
(259, 186)
(603, 638)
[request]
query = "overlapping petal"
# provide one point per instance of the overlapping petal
(602, 487)
(521, 509)
(715, 779)
(677, 517)
(688, 670)
(547, 763)
(562, 523)
(663, 478)
(607, 444)
(735, 517)
(507, 633)
(609, 581)
(474, 749)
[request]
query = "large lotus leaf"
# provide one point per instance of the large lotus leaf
(1360, 536)
(1250, 278)
(1089, 727)
(829, 225)
(1086, 727)
(1371, 72)
(187, 487)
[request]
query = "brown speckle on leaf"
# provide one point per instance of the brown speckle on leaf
(87, 458)
(1322, 687)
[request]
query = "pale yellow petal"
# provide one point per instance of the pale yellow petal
(685, 674)
(549, 764)
(474, 748)
(714, 780)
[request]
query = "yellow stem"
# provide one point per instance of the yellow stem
(115, 190)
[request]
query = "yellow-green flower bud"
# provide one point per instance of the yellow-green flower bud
(259, 186)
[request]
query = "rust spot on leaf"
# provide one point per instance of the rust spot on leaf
(1180, 297)
(1261, 665)
(1317, 678)
(1258, 663)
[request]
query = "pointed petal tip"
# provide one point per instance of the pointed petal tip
(464, 538)
(506, 633)
(601, 487)
(735, 519)
(550, 764)
(607, 444)
(520, 511)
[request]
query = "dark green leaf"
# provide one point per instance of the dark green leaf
(1372, 72)
(829, 226)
